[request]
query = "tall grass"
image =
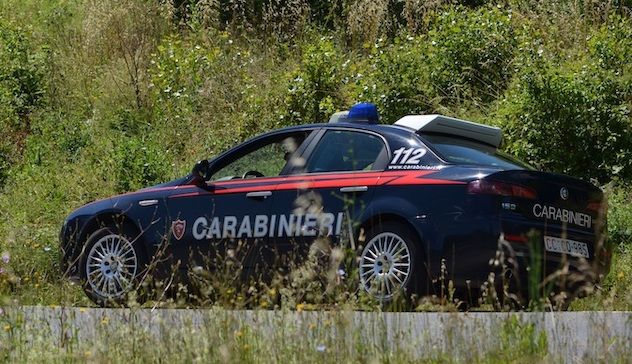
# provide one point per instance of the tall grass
(79, 335)
(103, 97)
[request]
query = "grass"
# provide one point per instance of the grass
(217, 335)
(77, 335)
(102, 98)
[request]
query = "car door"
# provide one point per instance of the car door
(332, 192)
(226, 225)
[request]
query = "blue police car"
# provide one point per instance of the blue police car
(425, 191)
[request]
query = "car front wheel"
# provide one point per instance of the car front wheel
(111, 266)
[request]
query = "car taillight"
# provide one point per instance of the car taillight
(596, 207)
(491, 187)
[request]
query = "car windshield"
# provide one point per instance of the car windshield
(463, 151)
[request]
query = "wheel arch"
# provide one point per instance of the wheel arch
(110, 218)
(380, 218)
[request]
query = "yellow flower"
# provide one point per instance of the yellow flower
(300, 307)
(7, 327)
(82, 309)
(105, 321)
(620, 275)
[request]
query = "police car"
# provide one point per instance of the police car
(429, 195)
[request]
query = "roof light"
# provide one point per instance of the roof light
(364, 112)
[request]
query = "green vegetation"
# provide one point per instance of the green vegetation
(103, 97)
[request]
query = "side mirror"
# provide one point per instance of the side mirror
(201, 172)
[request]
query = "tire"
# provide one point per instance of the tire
(391, 264)
(112, 263)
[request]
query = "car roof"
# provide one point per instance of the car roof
(411, 126)
(377, 128)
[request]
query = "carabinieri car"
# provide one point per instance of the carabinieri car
(430, 194)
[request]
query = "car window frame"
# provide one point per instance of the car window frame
(258, 142)
(309, 151)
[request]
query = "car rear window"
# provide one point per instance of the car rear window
(463, 151)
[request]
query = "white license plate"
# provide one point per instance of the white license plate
(567, 246)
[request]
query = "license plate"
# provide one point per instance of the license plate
(567, 246)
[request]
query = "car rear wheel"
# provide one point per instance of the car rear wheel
(111, 266)
(389, 262)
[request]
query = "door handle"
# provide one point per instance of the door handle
(352, 189)
(259, 194)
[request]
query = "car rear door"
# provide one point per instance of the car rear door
(333, 190)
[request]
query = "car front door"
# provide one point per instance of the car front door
(227, 225)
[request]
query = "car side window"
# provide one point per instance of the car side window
(344, 150)
(267, 160)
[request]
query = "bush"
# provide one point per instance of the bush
(5, 161)
(58, 135)
(179, 69)
(620, 216)
(314, 91)
(22, 71)
(611, 45)
(396, 79)
(140, 163)
(465, 57)
(470, 53)
(570, 121)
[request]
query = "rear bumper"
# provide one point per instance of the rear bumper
(520, 268)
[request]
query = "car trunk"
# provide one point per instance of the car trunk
(563, 215)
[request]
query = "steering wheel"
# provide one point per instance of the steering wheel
(252, 174)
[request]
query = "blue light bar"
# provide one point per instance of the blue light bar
(364, 112)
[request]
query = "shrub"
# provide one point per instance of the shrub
(611, 45)
(22, 71)
(140, 163)
(396, 79)
(5, 161)
(570, 121)
(314, 91)
(465, 57)
(178, 69)
(620, 216)
(59, 135)
(470, 53)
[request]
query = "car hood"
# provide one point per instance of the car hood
(176, 182)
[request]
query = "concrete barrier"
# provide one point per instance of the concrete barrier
(570, 336)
